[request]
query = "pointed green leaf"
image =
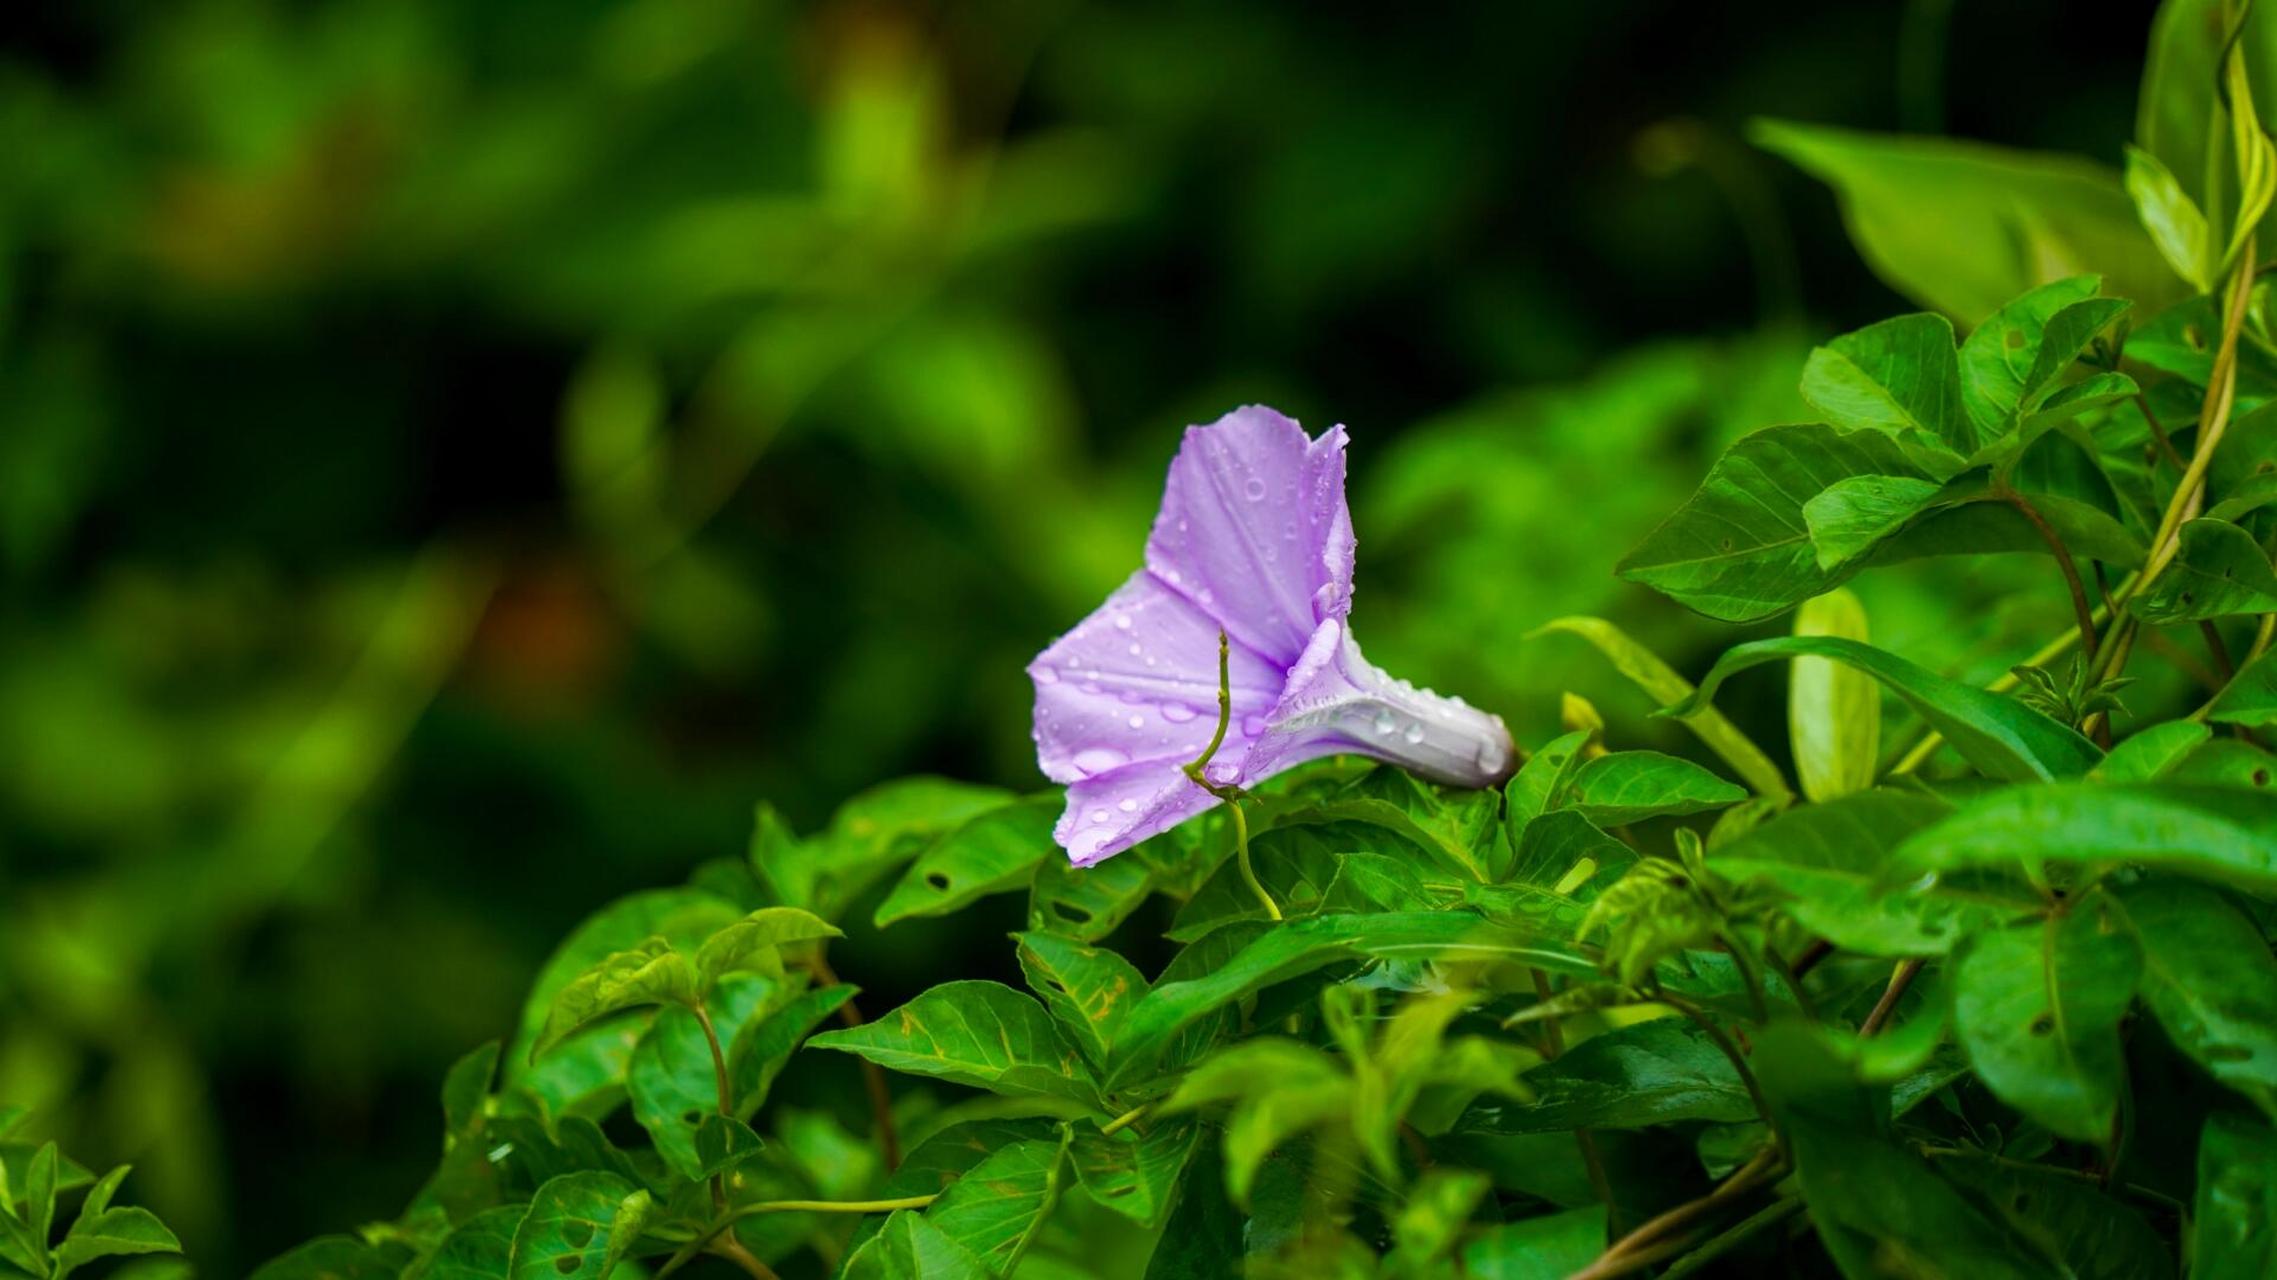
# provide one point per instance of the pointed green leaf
(466, 1088)
(977, 1033)
(2210, 981)
(651, 973)
(994, 852)
(2001, 359)
(672, 1081)
(910, 1248)
(337, 1258)
(112, 1233)
(755, 941)
(1089, 989)
(1278, 1089)
(1898, 376)
(1135, 1173)
(724, 1143)
(480, 1248)
(2000, 736)
(996, 1208)
(2234, 1221)
(1629, 786)
(1656, 1072)
(2175, 222)
(1087, 903)
(2037, 1007)
(1828, 862)
(579, 1226)
(1740, 548)
(1852, 517)
(2147, 755)
(2220, 572)
(38, 1208)
(683, 917)
(1549, 1247)
(1542, 779)
(2216, 833)
(761, 1047)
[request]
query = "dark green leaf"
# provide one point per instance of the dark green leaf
(1740, 548)
(1135, 1173)
(2211, 832)
(1896, 376)
(2209, 979)
(2220, 572)
(1204, 1235)
(869, 837)
(2251, 698)
(2000, 736)
(754, 942)
(1828, 860)
(1089, 989)
(2037, 1007)
(1278, 1089)
(1544, 1248)
(1087, 903)
(1964, 227)
(37, 1210)
(466, 1088)
(481, 1248)
(1851, 517)
(337, 1258)
(1542, 779)
(2078, 1230)
(1296, 860)
(578, 1227)
(1655, 1072)
(2148, 754)
(910, 1248)
(977, 1033)
(994, 851)
(2234, 1222)
(763, 1045)
(724, 1143)
(1629, 786)
(996, 1208)
(672, 1080)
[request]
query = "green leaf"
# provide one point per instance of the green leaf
(1133, 1173)
(1545, 1248)
(1852, 517)
(2220, 572)
(1297, 947)
(1829, 860)
(2001, 362)
(651, 973)
(870, 835)
(993, 852)
(1296, 860)
(2000, 736)
(1549, 858)
(2079, 1231)
(38, 1207)
(724, 1143)
(1279, 1088)
(466, 1088)
(997, 1207)
(1438, 1207)
(1963, 227)
(1880, 1211)
(2251, 698)
(2234, 1221)
(112, 1233)
(683, 917)
(337, 1258)
(579, 1226)
(1655, 1072)
(1628, 786)
(1898, 376)
(1204, 1234)
(672, 1081)
(2211, 832)
(2037, 1007)
(1534, 789)
(910, 1248)
(480, 1248)
(755, 941)
(1089, 989)
(1834, 712)
(1739, 549)
(2148, 754)
(1661, 683)
(2209, 979)
(762, 1046)
(1087, 903)
(977, 1033)
(1456, 824)
(2175, 222)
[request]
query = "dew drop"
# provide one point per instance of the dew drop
(1253, 725)
(1134, 651)
(1045, 675)
(1223, 771)
(1177, 712)
(1099, 815)
(1150, 659)
(1128, 806)
(1092, 761)
(1122, 622)
(1457, 701)
(1491, 757)
(1414, 733)
(1172, 576)
(1255, 489)
(1138, 722)
(1384, 723)
(1209, 596)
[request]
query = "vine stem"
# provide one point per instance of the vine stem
(2081, 609)
(1652, 1242)
(873, 1076)
(1123, 1121)
(1900, 978)
(726, 1096)
(1197, 772)
(2261, 639)
(688, 1251)
(1723, 1043)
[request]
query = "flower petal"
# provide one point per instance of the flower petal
(1255, 530)
(1138, 680)
(1115, 810)
(1337, 701)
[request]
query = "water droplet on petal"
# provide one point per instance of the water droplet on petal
(1150, 659)
(1223, 771)
(1045, 675)
(1134, 650)
(1122, 622)
(1099, 815)
(1208, 596)
(1384, 723)
(1177, 712)
(1414, 733)
(1139, 722)
(1255, 489)
(1092, 761)
(1457, 700)
(1128, 806)
(1491, 757)
(1253, 725)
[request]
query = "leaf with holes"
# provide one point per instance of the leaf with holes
(578, 1228)
(2037, 1008)
(480, 1248)
(2209, 979)
(1087, 903)
(1131, 1172)
(993, 852)
(2220, 572)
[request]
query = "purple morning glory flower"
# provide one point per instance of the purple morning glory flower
(1253, 539)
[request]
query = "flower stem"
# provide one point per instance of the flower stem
(1123, 1121)
(1197, 772)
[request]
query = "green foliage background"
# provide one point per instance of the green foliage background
(455, 457)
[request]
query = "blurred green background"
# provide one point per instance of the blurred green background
(457, 455)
